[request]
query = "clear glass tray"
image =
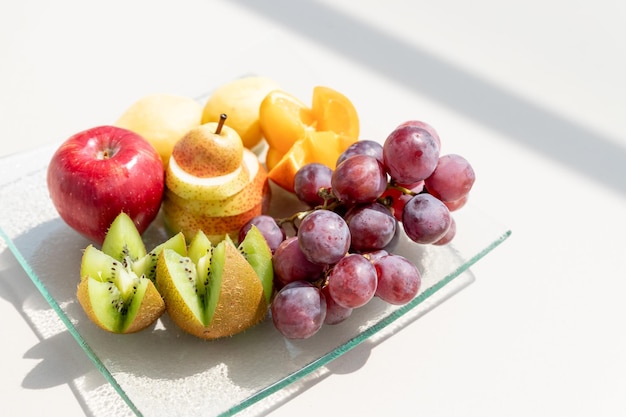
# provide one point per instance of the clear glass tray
(163, 371)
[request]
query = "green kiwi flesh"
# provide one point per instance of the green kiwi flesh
(146, 265)
(115, 292)
(197, 277)
(123, 241)
(257, 252)
(117, 314)
(120, 272)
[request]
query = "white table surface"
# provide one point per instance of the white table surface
(533, 93)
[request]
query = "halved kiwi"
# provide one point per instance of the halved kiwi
(117, 289)
(114, 297)
(216, 291)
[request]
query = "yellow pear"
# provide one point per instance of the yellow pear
(219, 206)
(162, 119)
(210, 150)
(248, 197)
(240, 99)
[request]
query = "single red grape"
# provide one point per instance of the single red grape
(298, 310)
(308, 182)
(410, 154)
(362, 147)
(398, 279)
(372, 226)
(452, 178)
(425, 219)
(352, 281)
(268, 227)
(324, 237)
(290, 264)
(359, 179)
(335, 313)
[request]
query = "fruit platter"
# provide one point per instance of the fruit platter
(209, 255)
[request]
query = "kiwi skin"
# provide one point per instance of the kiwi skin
(214, 292)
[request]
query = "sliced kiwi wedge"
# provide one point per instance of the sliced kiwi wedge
(257, 252)
(124, 243)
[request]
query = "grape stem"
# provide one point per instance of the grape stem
(299, 215)
(402, 189)
(330, 203)
(388, 200)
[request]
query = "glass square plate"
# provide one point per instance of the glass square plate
(163, 371)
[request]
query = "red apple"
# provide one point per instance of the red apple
(98, 173)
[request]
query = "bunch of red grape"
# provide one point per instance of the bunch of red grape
(337, 260)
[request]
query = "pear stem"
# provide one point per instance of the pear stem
(220, 124)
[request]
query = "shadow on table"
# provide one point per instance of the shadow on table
(358, 355)
(61, 361)
(567, 142)
(164, 354)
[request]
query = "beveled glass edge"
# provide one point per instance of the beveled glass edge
(280, 384)
(68, 323)
(366, 334)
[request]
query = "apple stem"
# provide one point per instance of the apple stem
(220, 124)
(104, 154)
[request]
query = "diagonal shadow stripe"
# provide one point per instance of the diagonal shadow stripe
(569, 143)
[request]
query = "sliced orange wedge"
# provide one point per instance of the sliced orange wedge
(333, 111)
(322, 147)
(284, 119)
(297, 134)
(272, 158)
